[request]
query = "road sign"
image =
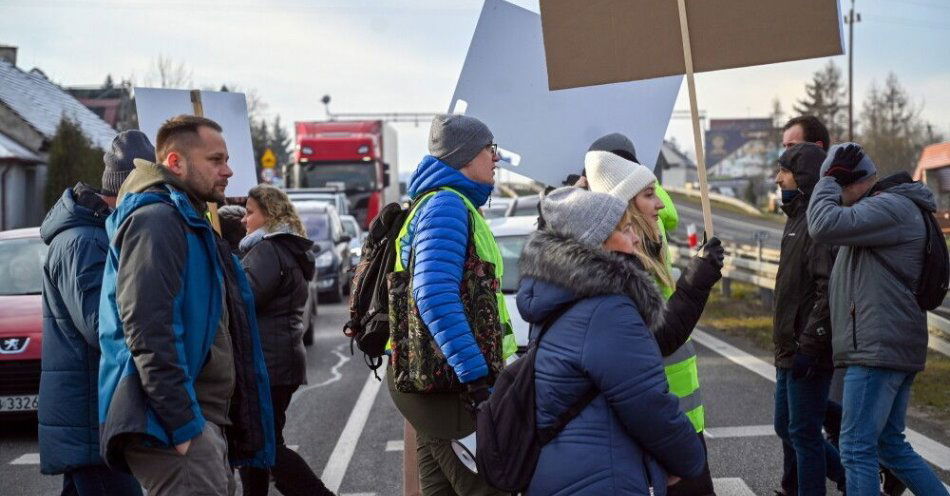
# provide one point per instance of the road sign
(269, 160)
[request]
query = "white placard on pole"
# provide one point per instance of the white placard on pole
(544, 134)
(156, 105)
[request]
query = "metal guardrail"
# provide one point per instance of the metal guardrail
(759, 267)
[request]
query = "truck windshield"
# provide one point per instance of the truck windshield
(354, 176)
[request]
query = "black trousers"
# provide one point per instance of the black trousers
(697, 486)
(292, 475)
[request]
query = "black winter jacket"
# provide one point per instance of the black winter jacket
(279, 269)
(802, 319)
(685, 306)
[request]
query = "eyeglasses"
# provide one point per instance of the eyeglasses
(493, 148)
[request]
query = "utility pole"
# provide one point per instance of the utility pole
(851, 20)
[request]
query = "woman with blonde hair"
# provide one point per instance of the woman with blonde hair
(279, 264)
(635, 185)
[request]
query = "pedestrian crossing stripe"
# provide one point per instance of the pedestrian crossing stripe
(731, 486)
(27, 459)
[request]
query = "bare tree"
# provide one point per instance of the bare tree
(165, 73)
(892, 131)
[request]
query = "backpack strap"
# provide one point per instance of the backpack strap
(924, 215)
(546, 434)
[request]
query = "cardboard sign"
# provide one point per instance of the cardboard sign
(155, 106)
(607, 41)
(543, 134)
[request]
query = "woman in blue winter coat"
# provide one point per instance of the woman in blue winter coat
(632, 436)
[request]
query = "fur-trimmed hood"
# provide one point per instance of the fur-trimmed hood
(557, 270)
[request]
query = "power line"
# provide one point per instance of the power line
(920, 3)
(914, 23)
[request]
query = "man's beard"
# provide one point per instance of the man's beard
(193, 183)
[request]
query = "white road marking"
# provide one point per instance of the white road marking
(293, 447)
(335, 374)
(740, 431)
(731, 486)
(397, 445)
(345, 446)
(932, 451)
(735, 355)
(27, 459)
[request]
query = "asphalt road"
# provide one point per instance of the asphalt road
(348, 430)
(729, 227)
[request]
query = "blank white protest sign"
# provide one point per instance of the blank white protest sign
(156, 105)
(504, 83)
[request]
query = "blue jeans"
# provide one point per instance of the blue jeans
(875, 404)
(800, 406)
(99, 480)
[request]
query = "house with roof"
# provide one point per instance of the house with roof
(933, 169)
(31, 108)
(673, 167)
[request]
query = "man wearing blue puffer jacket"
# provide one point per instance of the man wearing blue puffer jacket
(461, 162)
(75, 230)
(183, 386)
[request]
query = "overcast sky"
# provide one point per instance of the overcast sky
(406, 55)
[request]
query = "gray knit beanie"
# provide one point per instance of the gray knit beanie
(126, 147)
(583, 215)
(457, 139)
(617, 144)
(865, 164)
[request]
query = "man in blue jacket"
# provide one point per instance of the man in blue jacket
(461, 165)
(181, 354)
(75, 231)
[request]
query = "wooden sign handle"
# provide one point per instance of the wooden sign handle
(694, 111)
(212, 206)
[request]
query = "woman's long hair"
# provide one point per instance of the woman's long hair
(277, 209)
(649, 233)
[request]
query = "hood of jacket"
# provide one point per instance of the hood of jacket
(300, 248)
(433, 173)
(148, 175)
(78, 206)
(902, 184)
(565, 270)
(804, 161)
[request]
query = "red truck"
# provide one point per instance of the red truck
(357, 157)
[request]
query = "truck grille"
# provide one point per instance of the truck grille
(19, 377)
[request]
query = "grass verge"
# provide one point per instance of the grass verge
(744, 316)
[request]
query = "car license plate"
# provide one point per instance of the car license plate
(20, 403)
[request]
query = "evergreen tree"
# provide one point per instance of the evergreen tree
(825, 98)
(72, 158)
(280, 142)
(108, 84)
(892, 132)
(260, 140)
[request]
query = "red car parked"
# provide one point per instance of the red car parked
(22, 254)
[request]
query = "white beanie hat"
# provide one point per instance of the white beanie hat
(615, 175)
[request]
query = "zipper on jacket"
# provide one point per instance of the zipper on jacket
(854, 330)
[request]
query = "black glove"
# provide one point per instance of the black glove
(478, 392)
(803, 365)
(846, 159)
(714, 252)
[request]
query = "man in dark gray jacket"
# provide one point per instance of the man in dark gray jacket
(880, 332)
(75, 231)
